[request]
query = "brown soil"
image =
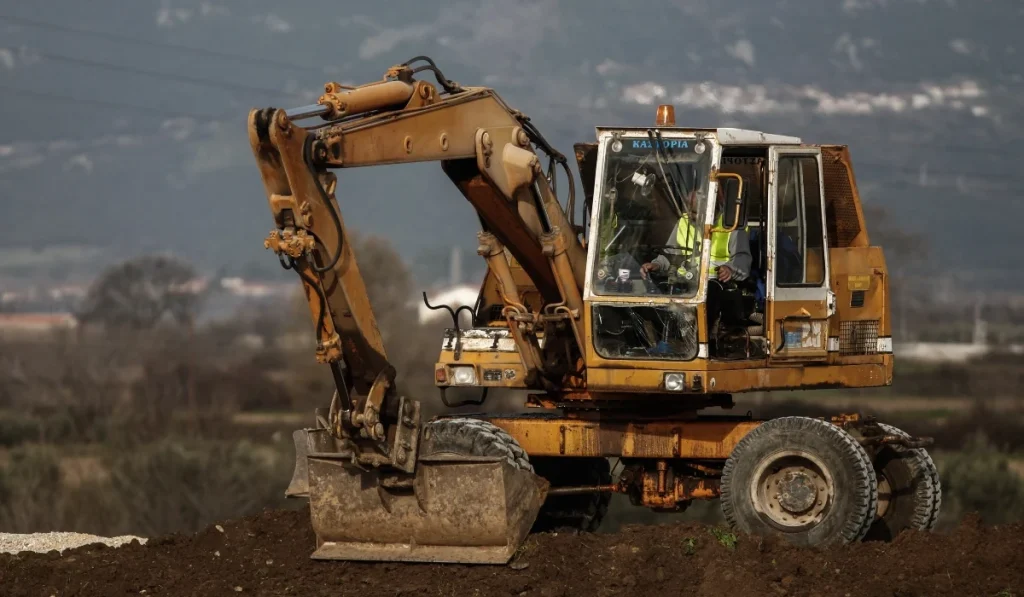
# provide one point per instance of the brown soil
(268, 554)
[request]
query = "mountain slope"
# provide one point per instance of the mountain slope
(926, 93)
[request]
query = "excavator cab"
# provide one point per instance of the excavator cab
(709, 197)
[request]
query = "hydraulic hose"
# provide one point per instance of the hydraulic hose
(447, 84)
(556, 157)
(307, 157)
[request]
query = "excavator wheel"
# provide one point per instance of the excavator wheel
(472, 437)
(801, 478)
(909, 491)
(578, 512)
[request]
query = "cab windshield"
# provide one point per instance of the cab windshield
(650, 224)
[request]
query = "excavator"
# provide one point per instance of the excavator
(617, 360)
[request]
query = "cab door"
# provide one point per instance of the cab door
(800, 300)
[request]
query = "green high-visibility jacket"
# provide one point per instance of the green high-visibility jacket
(731, 248)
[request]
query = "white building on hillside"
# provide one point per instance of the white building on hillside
(26, 326)
(954, 352)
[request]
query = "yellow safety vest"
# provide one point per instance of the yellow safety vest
(686, 237)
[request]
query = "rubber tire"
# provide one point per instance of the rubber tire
(472, 437)
(577, 512)
(856, 490)
(914, 482)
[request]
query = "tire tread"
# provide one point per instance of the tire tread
(478, 438)
(929, 493)
(865, 496)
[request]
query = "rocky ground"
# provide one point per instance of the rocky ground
(45, 542)
(268, 554)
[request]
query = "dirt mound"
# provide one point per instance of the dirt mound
(268, 554)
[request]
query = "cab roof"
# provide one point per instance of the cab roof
(726, 136)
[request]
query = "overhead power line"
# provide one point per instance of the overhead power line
(160, 75)
(157, 44)
(939, 173)
(70, 99)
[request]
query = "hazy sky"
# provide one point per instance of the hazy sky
(123, 128)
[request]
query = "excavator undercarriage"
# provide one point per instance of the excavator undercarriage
(620, 342)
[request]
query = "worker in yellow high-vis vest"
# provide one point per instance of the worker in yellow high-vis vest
(730, 263)
(730, 251)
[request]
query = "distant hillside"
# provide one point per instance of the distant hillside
(96, 150)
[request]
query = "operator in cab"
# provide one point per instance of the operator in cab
(730, 262)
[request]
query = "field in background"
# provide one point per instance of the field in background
(158, 432)
(115, 431)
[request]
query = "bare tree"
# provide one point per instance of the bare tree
(900, 245)
(138, 293)
(905, 252)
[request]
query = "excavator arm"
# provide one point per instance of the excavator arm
(486, 149)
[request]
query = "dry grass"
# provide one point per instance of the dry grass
(155, 431)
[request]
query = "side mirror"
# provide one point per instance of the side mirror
(735, 214)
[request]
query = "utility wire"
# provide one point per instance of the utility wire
(289, 65)
(885, 168)
(952, 150)
(937, 173)
(888, 168)
(294, 66)
(70, 99)
(156, 44)
(159, 75)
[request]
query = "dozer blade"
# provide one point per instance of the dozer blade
(469, 510)
(299, 487)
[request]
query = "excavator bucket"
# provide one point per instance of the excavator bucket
(456, 509)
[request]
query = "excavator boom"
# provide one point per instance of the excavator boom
(486, 149)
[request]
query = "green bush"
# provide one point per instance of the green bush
(160, 487)
(171, 486)
(978, 479)
(29, 477)
(17, 429)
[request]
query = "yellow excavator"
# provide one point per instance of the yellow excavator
(708, 262)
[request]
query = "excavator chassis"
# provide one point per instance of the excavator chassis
(464, 508)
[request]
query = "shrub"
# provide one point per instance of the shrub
(979, 479)
(161, 487)
(16, 429)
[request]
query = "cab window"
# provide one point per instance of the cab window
(799, 239)
(652, 189)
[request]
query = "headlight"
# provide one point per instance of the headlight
(675, 382)
(464, 376)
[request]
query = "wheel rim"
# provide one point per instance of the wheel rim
(884, 495)
(792, 490)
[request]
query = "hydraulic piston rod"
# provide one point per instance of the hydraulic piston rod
(306, 111)
(340, 101)
(585, 489)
